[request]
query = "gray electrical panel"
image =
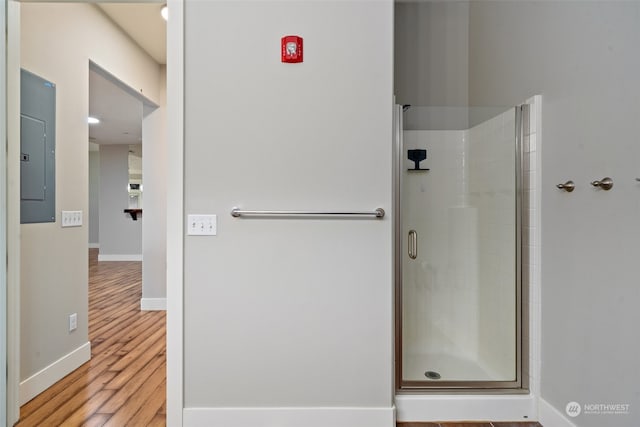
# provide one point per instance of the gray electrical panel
(37, 149)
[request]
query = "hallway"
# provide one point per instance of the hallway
(124, 383)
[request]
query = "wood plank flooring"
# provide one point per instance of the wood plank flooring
(124, 383)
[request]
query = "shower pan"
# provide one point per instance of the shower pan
(459, 221)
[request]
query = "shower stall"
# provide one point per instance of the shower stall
(459, 221)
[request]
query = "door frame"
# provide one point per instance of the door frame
(175, 128)
(520, 385)
(12, 164)
(175, 211)
(3, 215)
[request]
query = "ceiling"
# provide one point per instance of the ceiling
(120, 112)
(143, 23)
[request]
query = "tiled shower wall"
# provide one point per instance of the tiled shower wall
(491, 158)
(439, 314)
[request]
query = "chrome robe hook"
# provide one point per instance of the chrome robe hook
(605, 183)
(568, 186)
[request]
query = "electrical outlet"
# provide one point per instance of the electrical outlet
(202, 225)
(73, 322)
(71, 218)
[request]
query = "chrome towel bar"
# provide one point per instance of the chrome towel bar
(237, 213)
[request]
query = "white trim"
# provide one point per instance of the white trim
(42, 380)
(175, 203)
(532, 153)
(94, 245)
(466, 407)
(289, 417)
(3, 213)
(550, 416)
(116, 257)
(13, 211)
(149, 304)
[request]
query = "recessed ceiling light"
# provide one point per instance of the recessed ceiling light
(93, 120)
(164, 12)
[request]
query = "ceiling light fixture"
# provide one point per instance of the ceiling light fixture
(165, 12)
(93, 120)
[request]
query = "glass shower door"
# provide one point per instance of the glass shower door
(458, 248)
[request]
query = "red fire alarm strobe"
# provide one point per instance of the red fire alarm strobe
(291, 49)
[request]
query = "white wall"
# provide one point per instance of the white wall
(120, 235)
(94, 199)
(57, 42)
(582, 57)
(432, 53)
(154, 238)
(295, 314)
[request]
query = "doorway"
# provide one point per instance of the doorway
(54, 272)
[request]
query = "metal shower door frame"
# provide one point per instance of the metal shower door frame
(521, 383)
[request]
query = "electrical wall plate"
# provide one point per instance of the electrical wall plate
(71, 219)
(202, 225)
(73, 322)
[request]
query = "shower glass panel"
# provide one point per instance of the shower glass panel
(458, 247)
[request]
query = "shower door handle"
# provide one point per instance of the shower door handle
(413, 244)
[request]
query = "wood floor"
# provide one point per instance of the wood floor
(124, 383)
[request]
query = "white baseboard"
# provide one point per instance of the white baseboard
(94, 245)
(42, 380)
(130, 257)
(434, 407)
(550, 416)
(288, 417)
(150, 304)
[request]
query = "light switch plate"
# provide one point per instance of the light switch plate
(202, 225)
(71, 218)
